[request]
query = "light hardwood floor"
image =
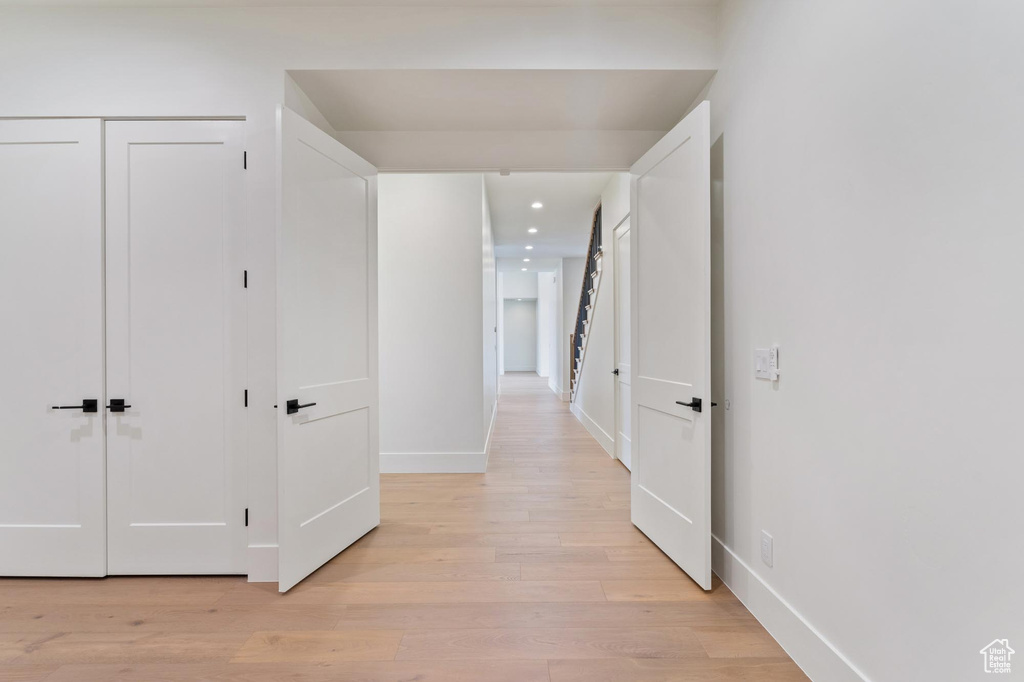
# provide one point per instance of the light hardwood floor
(531, 572)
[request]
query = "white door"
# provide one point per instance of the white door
(51, 349)
(622, 352)
(176, 347)
(328, 452)
(670, 211)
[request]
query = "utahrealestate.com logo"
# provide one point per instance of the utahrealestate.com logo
(997, 656)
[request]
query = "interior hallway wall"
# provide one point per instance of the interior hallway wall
(558, 360)
(546, 323)
(437, 358)
(867, 218)
(595, 400)
(490, 320)
(520, 335)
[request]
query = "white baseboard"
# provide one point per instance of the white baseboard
(554, 387)
(815, 655)
(433, 462)
(599, 434)
(262, 560)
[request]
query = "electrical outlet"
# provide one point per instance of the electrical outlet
(766, 548)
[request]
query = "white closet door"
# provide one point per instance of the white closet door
(51, 349)
(670, 213)
(175, 346)
(328, 452)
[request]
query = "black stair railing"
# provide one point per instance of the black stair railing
(588, 279)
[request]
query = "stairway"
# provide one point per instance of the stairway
(588, 298)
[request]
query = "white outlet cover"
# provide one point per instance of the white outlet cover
(766, 548)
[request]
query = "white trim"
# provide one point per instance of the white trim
(565, 396)
(490, 432)
(433, 462)
(599, 434)
(262, 560)
(815, 655)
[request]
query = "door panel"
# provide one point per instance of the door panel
(175, 346)
(623, 397)
(670, 196)
(328, 454)
(51, 352)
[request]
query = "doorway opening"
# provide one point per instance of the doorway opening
(476, 169)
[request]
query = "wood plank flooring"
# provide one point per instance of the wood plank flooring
(531, 572)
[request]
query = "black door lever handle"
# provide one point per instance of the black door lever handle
(88, 405)
(292, 406)
(696, 405)
(615, 371)
(117, 405)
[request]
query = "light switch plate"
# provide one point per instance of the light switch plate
(762, 362)
(773, 363)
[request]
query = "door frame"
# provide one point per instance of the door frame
(238, 353)
(617, 279)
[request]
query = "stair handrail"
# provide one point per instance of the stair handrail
(577, 338)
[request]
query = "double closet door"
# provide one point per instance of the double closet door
(123, 357)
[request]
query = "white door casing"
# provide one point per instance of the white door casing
(52, 515)
(623, 386)
(328, 451)
(176, 347)
(670, 211)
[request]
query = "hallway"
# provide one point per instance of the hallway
(528, 573)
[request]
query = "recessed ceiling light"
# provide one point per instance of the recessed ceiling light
(524, 269)
(532, 230)
(528, 247)
(519, 299)
(537, 204)
(526, 260)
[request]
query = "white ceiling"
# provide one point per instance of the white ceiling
(563, 224)
(502, 100)
(356, 3)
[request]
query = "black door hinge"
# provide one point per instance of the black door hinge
(245, 160)
(246, 399)
(247, 516)
(245, 279)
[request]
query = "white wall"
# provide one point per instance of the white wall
(519, 284)
(867, 218)
(520, 335)
(490, 320)
(433, 281)
(558, 360)
(232, 62)
(595, 401)
(499, 307)
(546, 323)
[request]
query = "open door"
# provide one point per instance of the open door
(670, 290)
(328, 452)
